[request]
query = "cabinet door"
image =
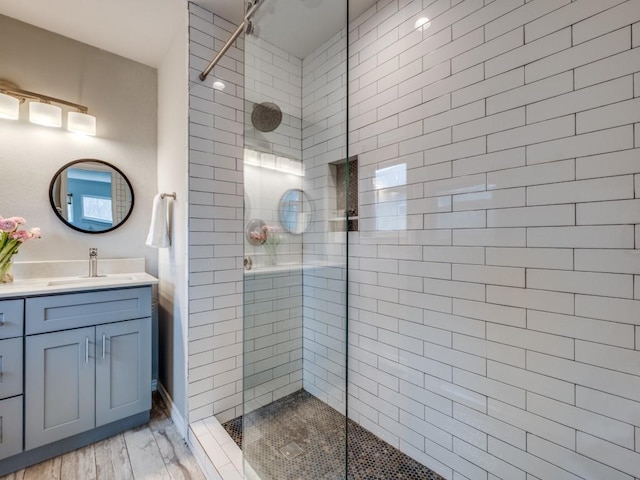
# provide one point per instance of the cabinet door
(59, 385)
(11, 318)
(123, 370)
(10, 426)
(10, 367)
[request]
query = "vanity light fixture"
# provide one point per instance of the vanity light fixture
(42, 110)
(45, 114)
(9, 107)
(79, 122)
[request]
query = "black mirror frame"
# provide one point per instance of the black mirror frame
(53, 206)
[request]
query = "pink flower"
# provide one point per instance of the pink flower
(20, 235)
(8, 225)
(258, 237)
(11, 238)
(267, 235)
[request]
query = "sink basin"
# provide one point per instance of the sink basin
(90, 280)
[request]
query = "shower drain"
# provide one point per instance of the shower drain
(291, 450)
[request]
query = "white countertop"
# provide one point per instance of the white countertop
(43, 286)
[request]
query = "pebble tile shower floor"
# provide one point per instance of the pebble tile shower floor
(319, 431)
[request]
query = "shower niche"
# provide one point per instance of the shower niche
(344, 177)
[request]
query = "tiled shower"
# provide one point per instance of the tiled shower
(488, 305)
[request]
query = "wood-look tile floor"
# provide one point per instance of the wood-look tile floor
(152, 451)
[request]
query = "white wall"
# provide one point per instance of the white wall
(173, 177)
(121, 94)
(272, 295)
(498, 335)
(275, 76)
(219, 121)
(324, 93)
(215, 221)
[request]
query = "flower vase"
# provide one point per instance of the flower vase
(272, 255)
(5, 270)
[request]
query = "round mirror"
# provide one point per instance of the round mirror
(253, 230)
(91, 196)
(295, 211)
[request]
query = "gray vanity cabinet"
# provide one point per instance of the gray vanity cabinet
(10, 367)
(78, 379)
(123, 370)
(59, 387)
(10, 426)
(11, 331)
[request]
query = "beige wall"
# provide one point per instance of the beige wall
(122, 94)
(172, 261)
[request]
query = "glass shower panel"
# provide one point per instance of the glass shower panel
(293, 424)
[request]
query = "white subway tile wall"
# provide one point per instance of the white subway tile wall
(324, 277)
(220, 125)
(215, 221)
(494, 324)
(494, 331)
(272, 336)
(273, 294)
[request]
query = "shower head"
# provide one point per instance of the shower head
(266, 117)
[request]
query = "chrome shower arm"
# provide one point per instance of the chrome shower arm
(253, 6)
(223, 50)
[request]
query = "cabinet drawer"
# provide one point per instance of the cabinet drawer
(75, 310)
(10, 427)
(10, 367)
(11, 318)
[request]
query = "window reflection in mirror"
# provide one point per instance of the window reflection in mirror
(91, 196)
(295, 211)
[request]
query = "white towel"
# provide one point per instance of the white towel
(158, 232)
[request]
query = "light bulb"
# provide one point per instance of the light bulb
(81, 123)
(45, 114)
(9, 107)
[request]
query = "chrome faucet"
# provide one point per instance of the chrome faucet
(93, 262)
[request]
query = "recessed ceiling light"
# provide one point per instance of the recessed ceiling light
(218, 85)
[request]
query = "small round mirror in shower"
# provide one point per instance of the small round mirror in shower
(266, 116)
(295, 211)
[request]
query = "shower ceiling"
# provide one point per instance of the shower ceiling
(296, 26)
(142, 29)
